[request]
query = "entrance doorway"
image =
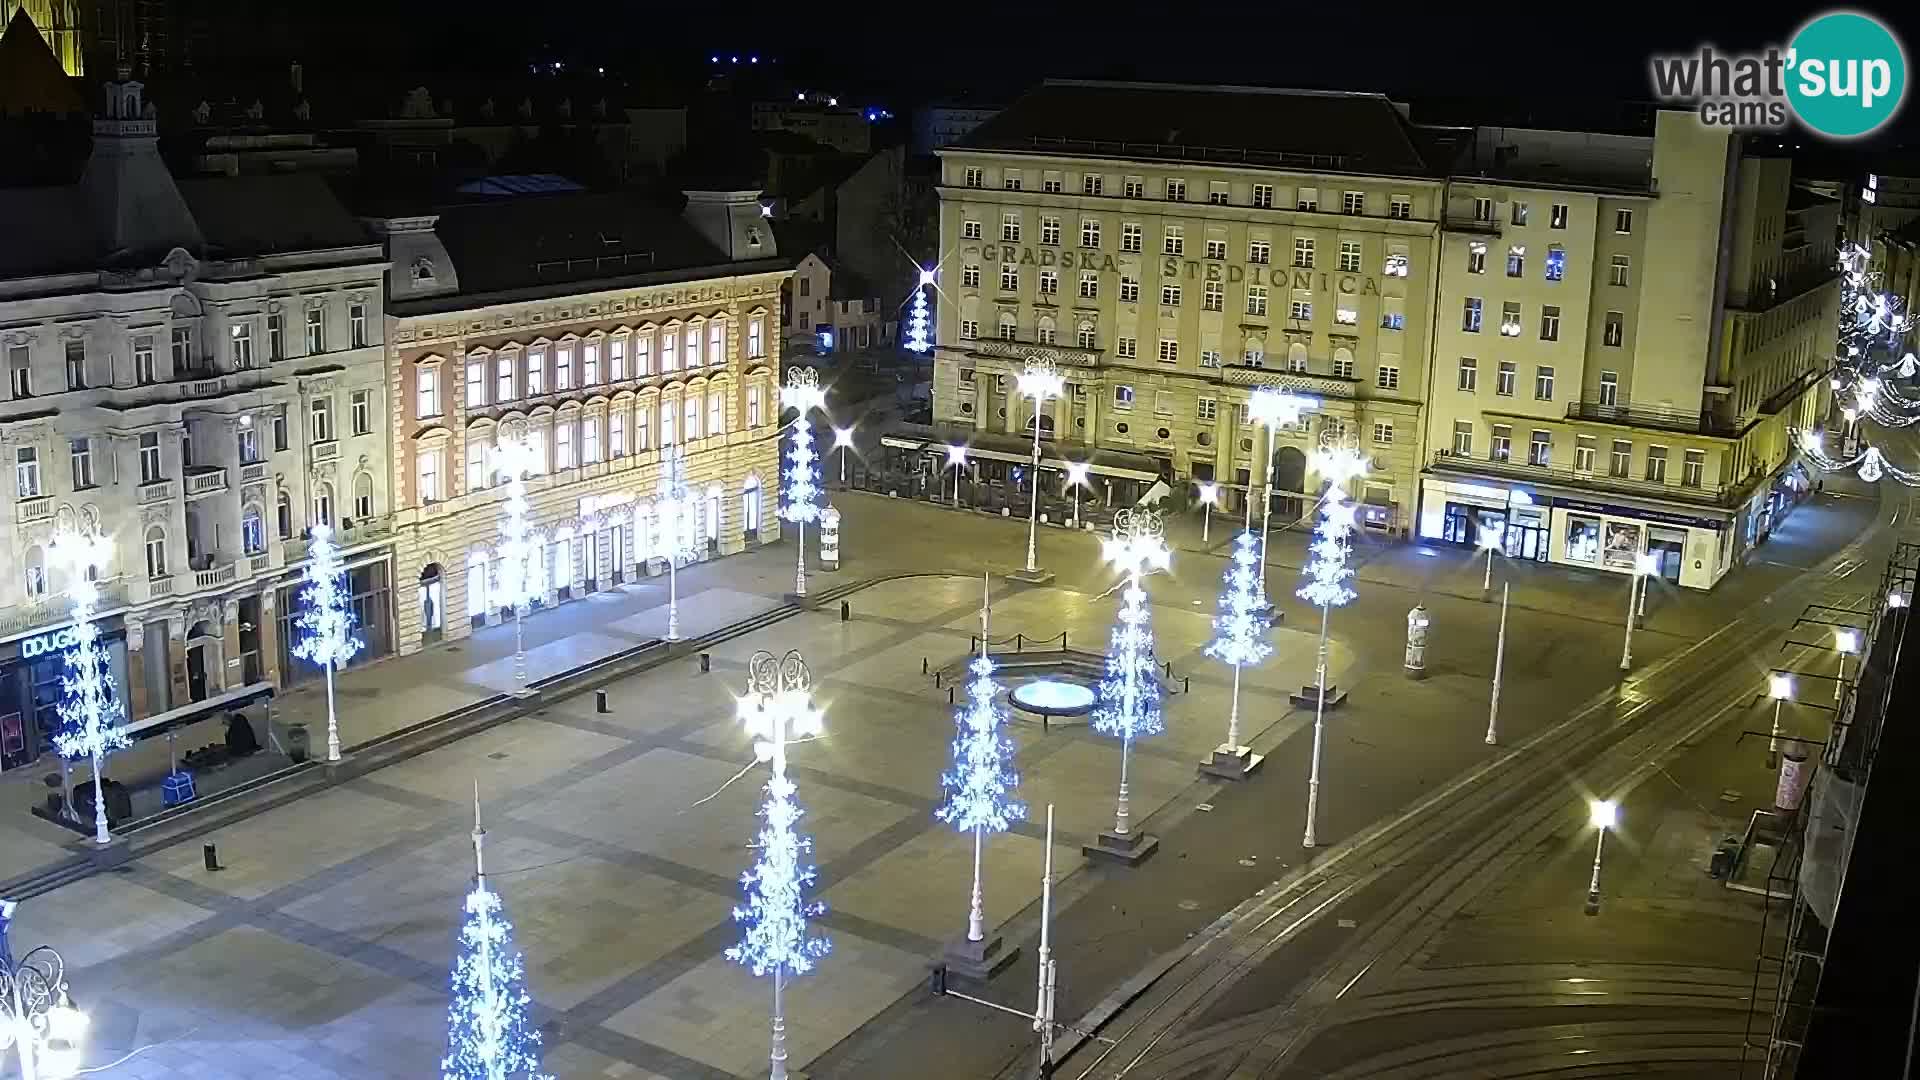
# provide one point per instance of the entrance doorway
(430, 596)
(1289, 475)
(1669, 546)
(202, 660)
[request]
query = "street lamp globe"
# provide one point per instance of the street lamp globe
(956, 455)
(1209, 493)
(1896, 599)
(1077, 472)
(842, 437)
(1603, 813)
(1780, 686)
(1846, 641)
(1645, 564)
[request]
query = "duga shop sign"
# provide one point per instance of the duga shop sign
(52, 641)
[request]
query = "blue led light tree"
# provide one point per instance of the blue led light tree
(674, 533)
(325, 624)
(802, 393)
(93, 721)
(980, 789)
(918, 319)
(779, 707)
(1240, 640)
(1328, 573)
(1128, 698)
(490, 1035)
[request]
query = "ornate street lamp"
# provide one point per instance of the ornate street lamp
(37, 1017)
(1040, 381)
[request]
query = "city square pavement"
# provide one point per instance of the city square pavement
(323, 949)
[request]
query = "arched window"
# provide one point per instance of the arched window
(253, 529)
(363, 495)
(1296, 357)
(1009, 328)
(36, 572)
(1086, 337)
(1256, 353)
(283, 515)
(750, 505)
(323, 503)
(156, 552)
(1043, 331)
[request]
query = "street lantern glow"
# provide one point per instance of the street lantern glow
(1846, 641)
(842, 437)
(1645, 563)
(1780, 686)
(1040, 380)
(1896, 599)
(1210, 493)
(1603, 813)
(1077, 472)
(1488, 539)
(956, 454)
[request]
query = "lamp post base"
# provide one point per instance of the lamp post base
(1130, 850)
(1037, 576)
(978, 961)
(1593, 903)
(1309, 697)
(1232, 763)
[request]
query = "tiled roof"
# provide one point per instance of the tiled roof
(268, 215)
(1337, 132)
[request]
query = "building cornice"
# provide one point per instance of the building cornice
(608, 290)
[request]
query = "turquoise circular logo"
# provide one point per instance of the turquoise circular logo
(1846, 74)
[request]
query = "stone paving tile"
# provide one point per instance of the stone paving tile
(119, 916)
(520, 754)
(571, 1061)
(922, 886)
(707, 608)
(544, 660)
(823, 638)
(567, 910)
(708, 1013)
(271, 851)
(670, 696)
(366, 712)
(1083, 780)
(656, 793)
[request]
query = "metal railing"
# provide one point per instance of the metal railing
(1651, 416)
(1706, 494)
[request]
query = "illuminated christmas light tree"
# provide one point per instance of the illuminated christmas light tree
(490, 1035)
(802, 393)
(325, 625)
(919, 322)
(1128, 698)
(981, 783)
(91, 716)
(1239, 639)
(1327, 588)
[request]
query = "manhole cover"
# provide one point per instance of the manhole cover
(497, 755)
(1188, 905)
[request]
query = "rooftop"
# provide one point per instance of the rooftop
(1306, 129)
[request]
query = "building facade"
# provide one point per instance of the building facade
(604, 362)
(201, 385)
(1284, 239)
(1620, 351)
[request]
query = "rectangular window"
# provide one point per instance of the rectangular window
(1382, 433)
(969, 230)
(357, 325)
(1349, 256)
(1130, 236)
(1504, 378)
(643, 356)
(1342, 367)
(1609, 389)
(276, 336)
(1009, 277)
(1123, 396)
(1162, 403)
(1519, 213)
(1050, 185)
(642, 420)
(1540, 449)
(1049, 282)
(1463, 438)
(969, 277)
(1217, 194)
(590, 361)
(149, 458)
(1050, 230)
(1090, 184)
(1543, 383)
(1136, 188)
(1397, 264)
(476, 465)
(1214, 298)
(1556, 263)
(1344, 315)
(669, 350)
(1044, 333)
(280, 440)
(1263, 196)
(1623, 221)
(1010, 227)
(426, 392)
(316, 331)
(429, 476)
(717, 413)
(320, 420)
(1216, 249)
(617, 433)
(1549, 323)
(536, 372)
(1259, 251)
(1010, 180)
(1516, 261)
(1620, 270)
(1616, 330)
(694, 357)
(1469, 380)
(1126, 348)
(1693, 467)
(1393, 320)
(1206, 408)
(81, 451)
(239, 346)
(1400, 206)
(476, 383)
(1173, 241)
(1129, 290)
(1476, 258)
(1583, 453)
(1086, 337)
(26, 472)
(1470, 315)
(1510, 318)
(1307, 199)
(975, 177)
(1209, 358)
(1500, 447)
(1169, 351)
(1009, 330)
(1656, 464)
(1483, 209)
(1387, 377)
(1621, 460)
(182, 343)
(563, 444)
(1089, 233)
(1558, 218)
(1353, 202)
(969, 328)
(360, 410)
(1170, 295)
(1256, 300)
(1176, 191)
(1300, 310)
(503, 390)
(1089, 284)
(1303, 252)
(143, 369)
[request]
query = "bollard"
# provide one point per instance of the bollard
(600, 701)
(936, 680)
(210, 855)
(923, 664)
(846, 611)
(1169, 669)
(706, 663)
(1186, 684)
(949, 695)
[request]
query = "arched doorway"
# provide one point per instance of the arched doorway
(750, 506)
(203, 660)
(432, 615)
(1289, 475)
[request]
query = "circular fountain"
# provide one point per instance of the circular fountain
(1052, 698)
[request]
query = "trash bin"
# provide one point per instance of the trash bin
(297, 743)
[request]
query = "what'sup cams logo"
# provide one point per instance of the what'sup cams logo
(1844, 75)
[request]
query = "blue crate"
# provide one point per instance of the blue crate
(176, 788)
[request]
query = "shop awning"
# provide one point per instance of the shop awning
(160, 724)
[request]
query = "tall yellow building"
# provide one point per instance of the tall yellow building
(59, 23)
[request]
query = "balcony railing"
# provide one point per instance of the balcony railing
(1704, 494)
(326, 451)
(160, 586)
(1296, 381)
(362, 531)
(254, 473)
(259, 564)
(1650, 416)
(35, 510)
(206, 480)
(201, 385)
(1064, 355)
(155, 492)
(216, 577)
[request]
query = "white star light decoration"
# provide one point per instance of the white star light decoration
(981, 783)
(1240, 628)
(1327, 567)
(489, 1033)
(802, 392)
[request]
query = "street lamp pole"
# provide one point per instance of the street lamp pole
(676, 532)
(1499, 659)
(956, 457)
(1846, 642)
(1043, 1008)
(1209, 494)
(1339, 464)
(1604, 814)
(1780, 689)
(1643, 565)
(1076, 479)
(801, 393)
(1041, 380)
(515, 456)
(1271, 408)
(843, 441)
(1490, 540)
